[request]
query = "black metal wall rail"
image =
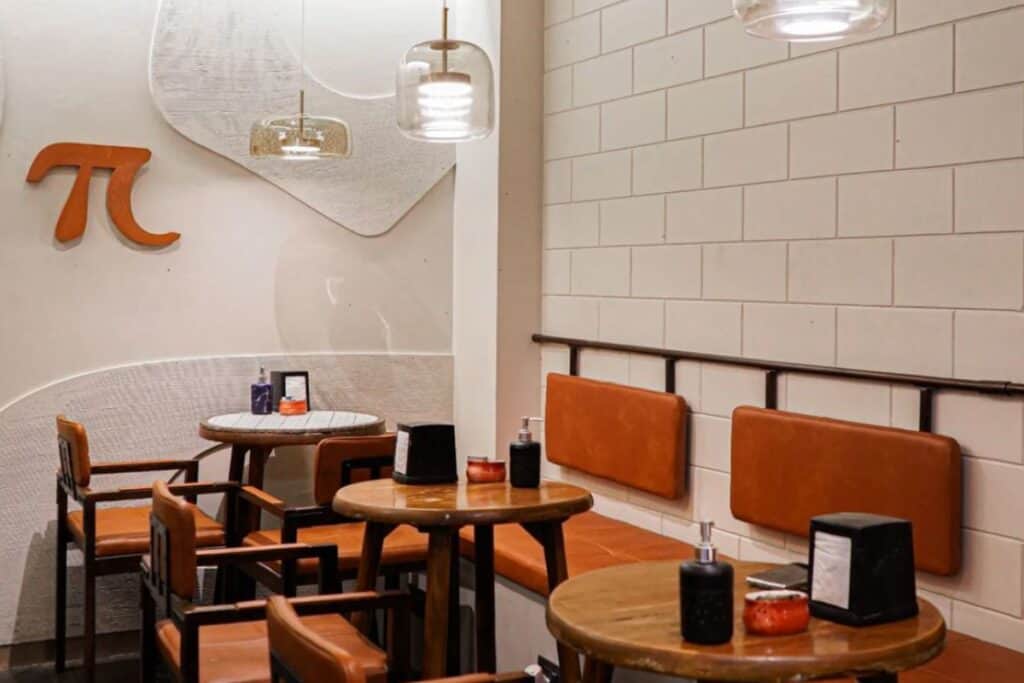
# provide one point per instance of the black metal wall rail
(925, 384)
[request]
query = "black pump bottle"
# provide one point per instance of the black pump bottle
(705, 594)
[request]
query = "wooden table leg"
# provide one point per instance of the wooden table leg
(237, 465)
(483, 542)
(369, 567)
(439, 571)
(550, 536)
(595, 671)
(453, 654)
(258, 456)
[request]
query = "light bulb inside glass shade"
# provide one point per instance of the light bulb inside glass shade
(810, 20)
(300, 137)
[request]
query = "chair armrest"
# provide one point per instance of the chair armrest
(143, 492)
(267, 553)
(144, 466)
(350, 602)
(263, 500)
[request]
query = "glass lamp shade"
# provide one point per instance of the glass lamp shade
(810, 20)
(300, 137)
(445, 92)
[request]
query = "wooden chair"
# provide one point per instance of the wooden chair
(298, 654)
(112, 539)
(340, 461)
(220, 643)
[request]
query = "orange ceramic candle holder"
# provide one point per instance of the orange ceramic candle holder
(292, 406)
(484, 471)
(776, 613)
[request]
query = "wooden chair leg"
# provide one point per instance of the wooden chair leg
(147, 636)
(60, 620)
(89, 623)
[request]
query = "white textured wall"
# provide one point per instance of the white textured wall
(855, 205)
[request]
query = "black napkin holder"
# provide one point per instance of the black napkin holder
(425, 454)
(862, 569)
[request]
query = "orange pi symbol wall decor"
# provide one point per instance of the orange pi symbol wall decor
(125, 162)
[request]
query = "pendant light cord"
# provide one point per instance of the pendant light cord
(444, 36)
(302, 70)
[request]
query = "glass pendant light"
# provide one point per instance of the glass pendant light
(445, 90)
(810, 20)
(303, 136)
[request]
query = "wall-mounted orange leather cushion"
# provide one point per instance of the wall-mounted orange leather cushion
(632, 436)
(787, 468)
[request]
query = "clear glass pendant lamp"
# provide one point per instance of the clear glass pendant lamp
(811, 20)
(445, 90)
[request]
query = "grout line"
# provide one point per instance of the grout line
(892, 273)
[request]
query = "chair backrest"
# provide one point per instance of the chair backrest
(298, 655)
(788, 468)
(173, 543)
(339, 462)
(73, 443)
(631, 436)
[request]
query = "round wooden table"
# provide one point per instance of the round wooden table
(628, 616)
(440, 511)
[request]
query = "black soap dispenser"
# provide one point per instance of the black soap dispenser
(524, 458)
(705, 594)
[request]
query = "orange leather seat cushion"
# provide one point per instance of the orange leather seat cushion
(631, 436)
(592, 541)
(788, 468)
(125, 530)
(239, 653)
(403, 546)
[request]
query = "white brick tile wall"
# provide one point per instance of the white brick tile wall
(667, 167)
(992, 497)
(556, 11)
(724, 388)
(633, 121)
(668, 271)
(602, 175)
(810, 333)
(669, 61)
(601, 272)
(986, 426)
(989, 50)
(917, 13)
(729, 48)
(706, 106)
(839, 399)
(557, 272)
(801, 209)
(753, 271)
(571, 225)
(572, 41)
(705, 216)
(558, 181)
(572, 133)
(704, 327)
(585, 6)
(637, 220)
(603, 78)
(896, 203)
(633, 321)
(569, 316)
(747, 156)
(988, 625)
(842, 143)
(791, 90)
(905, 67)
(905, 340)
(988, 197)
(558, 90)
(971, 271)
(684, 14)
(960, 128)
(987, 560)
(841, 272)
(710, 442)
(646, 372)
(632, 22)
(989, 344)
(606, 366)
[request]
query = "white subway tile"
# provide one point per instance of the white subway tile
(572, 133)
(565, 316)
(842, 143)
(607, 366)
(558, 181)
(706, 106)
(896, 203)
(601, 176)
(904, 67)
(705, 216)
(554, 358)
(912, 341)
(704, 327)
(961, 128)
(990, 427)
(556, 11)
(602, 272)
(988, 345)
(987, 563)
(988, 197)
(667, 271)
(917, 13)
(637, 120)
(711, 492)
(992, 500)
(585, 6)
(557, 272)
(689, 532)
(632, 321)
(571, 225)
(727, 47)
(603, 78)
(751, 271)
(839, 399)
(906, 407)
(758, 551)
(668, 167)
(987, 625)
(637, 220)
(886, 29)
(841, 272)
(724, 388)
(791, 90)
(972, 271)
(558, 90)
(784, 332)
(746, 156)
(710, 442)
(572, 41)
(940, 602)
(632, 22)
(669, 61)
(646, 372)
(684, 14)
(799, 209)
(989, 50)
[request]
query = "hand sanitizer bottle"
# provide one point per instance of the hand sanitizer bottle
(260, 395)
(705, 594)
